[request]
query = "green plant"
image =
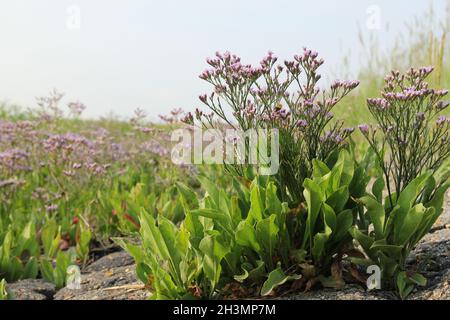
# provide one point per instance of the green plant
(330, 213)
(408, 139)
(18, 254)
(222, 239)
(84, 236)
(55, 270)
(167, 262)
(54, 263)
(396, 231)
(278, 96)
(4, 294)
(411, 144)
(254, 226)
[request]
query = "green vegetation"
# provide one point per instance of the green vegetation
(69, 186)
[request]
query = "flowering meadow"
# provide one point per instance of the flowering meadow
(72, 189)
(68, 186)
(363, 173)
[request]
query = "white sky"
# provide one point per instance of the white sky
(136, 53)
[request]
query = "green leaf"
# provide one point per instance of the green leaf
(169, 234)
(364, 240)
(410, 224)
(320, 169)
(218, 217)
(389, 249)
(377, 188)
(31, 269)
(276, 278)
(318, 250)
(329, 217)
(273, 204)
(189, 196)
(338, 199)
(256, 207)
(403, 285)
(314, 198)
(409, 194)
(377, 215)
(152, 237)
(267, 235)
(213, 252)
(344, 221)
(210, 188)
(418, 279)
(246, 236)
(347, 169)
(359, 182)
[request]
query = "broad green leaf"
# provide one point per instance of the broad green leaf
(403, 285)
(376, 214)
(218, 217)
(276, 278)
(409, 194)
(338, 199)
(152, 237)
(213, 252)
(267, 235)
(438, 198)
(246, 236)
(31, 269)
(429, 218)
(256, 207)
(169, 235)
(314, 198)
(273, 204)
(210, 188)
(189, 196)
(329, 217)
(318, 250)
(388, 249)
(364, 240)
(344, 221)
(320, 169)
(410, 224)
(377, 188)
(359, 182)
(347, 169)
(418, 279)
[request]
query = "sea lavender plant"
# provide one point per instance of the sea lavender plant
(410, 137)
(49, 105)
(76, 108)
(285, 97)
(411, 143)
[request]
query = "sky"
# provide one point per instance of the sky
(117, 55)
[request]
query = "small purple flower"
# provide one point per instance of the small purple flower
(441, 105)
(348, 130)
(441, 120)
(302, 123)
(364, 128)
(51, 208)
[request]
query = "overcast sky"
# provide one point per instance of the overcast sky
(119, 55)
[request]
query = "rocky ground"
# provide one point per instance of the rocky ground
(113, 277)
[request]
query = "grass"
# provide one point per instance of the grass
(425, 42)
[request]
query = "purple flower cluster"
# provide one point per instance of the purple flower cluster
(410, 126)
(272, 95)
(76, 108)
(229, 67)
(15, 159)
